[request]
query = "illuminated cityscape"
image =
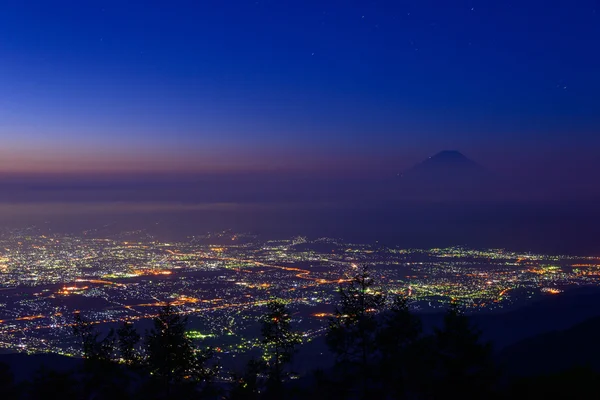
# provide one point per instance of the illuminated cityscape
(223, 280)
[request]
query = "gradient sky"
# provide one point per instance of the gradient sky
(234, 85)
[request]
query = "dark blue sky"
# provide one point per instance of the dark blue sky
(159, 85)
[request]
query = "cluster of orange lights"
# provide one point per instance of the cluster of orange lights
(152, 272)
(29, 318)
(67, 290)
(539, 271)
(187, 299)
(551, 290)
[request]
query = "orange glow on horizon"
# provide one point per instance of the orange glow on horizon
(113, 161)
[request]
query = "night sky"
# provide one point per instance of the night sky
(307, 85)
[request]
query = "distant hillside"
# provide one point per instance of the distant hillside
(503, 329)
(555, 351)
(547, 314)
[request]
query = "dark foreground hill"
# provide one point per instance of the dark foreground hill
(24, 366)
(502, 329)
(547, 314)
(555, 351)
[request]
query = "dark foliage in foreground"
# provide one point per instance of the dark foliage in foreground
(379, 348)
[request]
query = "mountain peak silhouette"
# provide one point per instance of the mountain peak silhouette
(448, 164)
(448, 173)
(449, 157)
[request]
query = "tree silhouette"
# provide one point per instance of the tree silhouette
(95, 350)
(101, 377)
(248, 386)
(463, 364)
(396, 339)
(127, 341)
(279, 340)
(171, 356)
(352, 330)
